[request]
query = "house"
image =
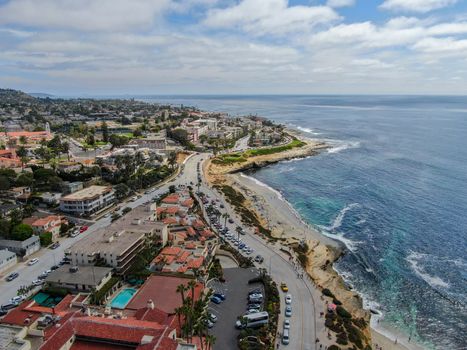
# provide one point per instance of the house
(7, 259)
(79, 279)
(50, 198)
(69, 167)
(7, 208)
(88, 201)
(151, 141)
(51, 223)
(72, 187)
(21, 193)
(9, 159)
(22, 248)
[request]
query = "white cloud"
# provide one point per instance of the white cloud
(445, 46)
(340, 3)
(416, 5)
(260, 17)
(84, 15)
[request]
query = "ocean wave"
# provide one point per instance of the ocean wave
(308, 130)
(338, 219)
(414, 260)
(350, 244)
(342, 146)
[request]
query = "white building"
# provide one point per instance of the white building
(7, 259)
(88, 201)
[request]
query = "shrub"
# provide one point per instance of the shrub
(334, 347)
(343, 312)
(327, 293)
(45, 238)
(336, 301)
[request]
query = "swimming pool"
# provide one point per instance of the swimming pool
(122, 298)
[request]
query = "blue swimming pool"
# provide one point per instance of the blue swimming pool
(122, 298)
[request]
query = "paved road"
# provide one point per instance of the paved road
(241, 144)
(303, 330)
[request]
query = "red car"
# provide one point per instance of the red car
(82, 229)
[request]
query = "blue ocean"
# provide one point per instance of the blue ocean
(393, 188)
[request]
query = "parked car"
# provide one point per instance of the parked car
(288, 299)
(285, 337)
(255, 291)
(55, 245)
(259, 259)
(33, 261)
(38, 282)
(74, 233)
(9, 306)
(54, 267)
(221, 296)
(231, 221)
(288, 311)
(212, 317)
(209, 324)
(287, 324)
(83, 228)
(17, 299)
(216, 300)
(284, 287)
(12, 276)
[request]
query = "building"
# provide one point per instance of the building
(51, 223)
(151, 141)
(8, 159)
(22, 248)
(7, 259)
(6, 209)
(87, 201)
(117, 245)
(72, 187)
(69, 167)
(79, 279)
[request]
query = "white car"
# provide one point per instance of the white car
(33, 261)
(213, 317)
(38, 282)
(18, 299)
(288, 299)
(286, 324)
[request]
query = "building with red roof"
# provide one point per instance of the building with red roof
(162, 290)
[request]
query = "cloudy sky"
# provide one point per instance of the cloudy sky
(71, 47)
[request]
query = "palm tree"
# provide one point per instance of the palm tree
(181, 289)
(210, 341)
(192, 285)
(179, 313)
(225, 216)
(238, 229)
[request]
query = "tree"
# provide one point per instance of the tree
(22, 154)
(5, 228)
(4, 183)
(23, 140)
(45, 238)
(121, 190)
(118, 140)
(90, 140)
(180, 135)
(137, 132)
(105, 132)
(25, 179)
(172, 159)
(225, 216)
(65, 148)
(21, 232)
(172, 189)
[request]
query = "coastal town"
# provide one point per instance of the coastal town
(125, 224)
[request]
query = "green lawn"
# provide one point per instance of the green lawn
(242, 157)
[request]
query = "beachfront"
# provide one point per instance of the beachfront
(287, 228)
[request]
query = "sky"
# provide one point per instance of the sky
(96, 47)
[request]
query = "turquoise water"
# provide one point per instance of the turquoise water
(393, 188)
(122, 298)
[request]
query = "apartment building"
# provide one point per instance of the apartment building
(87, 201)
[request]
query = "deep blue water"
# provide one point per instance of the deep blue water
(393, 187)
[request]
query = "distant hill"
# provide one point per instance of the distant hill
(14, 96)
(40, 95)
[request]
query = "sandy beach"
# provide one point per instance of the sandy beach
(286, 225)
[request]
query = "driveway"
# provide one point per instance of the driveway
(236, 290)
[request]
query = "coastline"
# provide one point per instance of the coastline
(287, 226)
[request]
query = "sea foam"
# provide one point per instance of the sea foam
(414, 260)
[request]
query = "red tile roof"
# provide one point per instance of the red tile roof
(191, 231)
(162, 291)
(171, 199)
(198, 224)
(171, 251)
(170, 221)
(195, 263)
(187, 203)
(183, 257)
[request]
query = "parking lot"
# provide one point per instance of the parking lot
(236, 290)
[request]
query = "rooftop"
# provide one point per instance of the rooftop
(84, 275)
(87, 193)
